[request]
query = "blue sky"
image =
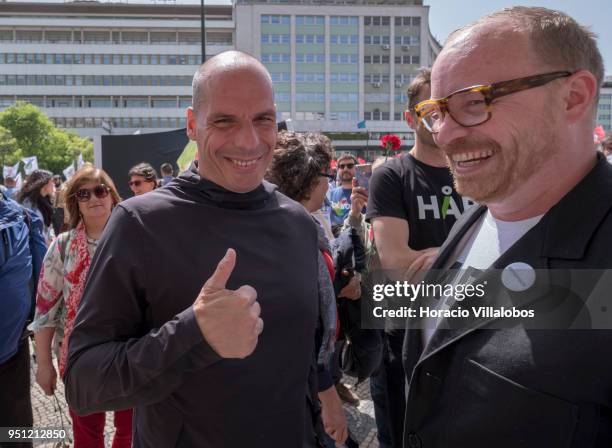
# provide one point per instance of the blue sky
(447, 15)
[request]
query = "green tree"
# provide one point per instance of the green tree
(35, 135)
(9, 151)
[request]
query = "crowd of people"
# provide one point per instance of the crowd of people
(221, 307)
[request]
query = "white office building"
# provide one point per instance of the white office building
(120, 67)
(107, 67)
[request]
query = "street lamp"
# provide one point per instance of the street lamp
(203, 31)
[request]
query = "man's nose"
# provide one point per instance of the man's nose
(247, 137)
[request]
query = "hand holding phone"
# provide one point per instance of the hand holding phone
(362, 174)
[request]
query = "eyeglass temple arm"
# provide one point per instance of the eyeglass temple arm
(517, 85)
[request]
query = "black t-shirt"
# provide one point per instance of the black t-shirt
(421, 194)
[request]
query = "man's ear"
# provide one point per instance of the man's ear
(579, 97)
(191, 123)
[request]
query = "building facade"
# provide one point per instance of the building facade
(604, 108)
(107, 67)
(116, 67)
(336, 63)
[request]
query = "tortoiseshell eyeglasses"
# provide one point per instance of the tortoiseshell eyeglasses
(471, 106)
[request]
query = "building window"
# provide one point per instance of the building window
(97, 102)
(58, 36)
(343, 58)
(310, 97)
(401, 98)
(309, 77)
(376, 97)
(344, 97)
(163, 103)
(282, 97)
(310, 20)
(310, 58)
(275, 57)
(6, 35)
(344, 20)
(344, 77)
(96, 36)
(191, 38)
(163, 37)
(134, 37)
(309, 39)
(275, 19)
(136, 102)
(344, 39)
(344, 116)
(28, 36)
(280, 76)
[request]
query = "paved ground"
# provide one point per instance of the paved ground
(46, 413)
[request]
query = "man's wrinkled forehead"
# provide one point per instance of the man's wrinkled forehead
(229, 68)
(482, 54)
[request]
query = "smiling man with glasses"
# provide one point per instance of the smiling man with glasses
(340, 197)
(513, 106)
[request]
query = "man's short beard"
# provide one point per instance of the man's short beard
(509, 170)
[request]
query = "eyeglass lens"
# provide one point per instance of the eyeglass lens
(348, 166)
(84, 195)
(466, 108)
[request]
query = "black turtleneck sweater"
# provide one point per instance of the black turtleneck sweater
(136, 343)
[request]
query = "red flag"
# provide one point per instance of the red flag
(333, 164)
(360, 161)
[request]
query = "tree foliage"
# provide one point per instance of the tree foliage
(35, 135)
(8, 146)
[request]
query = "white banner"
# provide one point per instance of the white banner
(30, 164)
(69, 171)
(18, 181)
(80, 162)
(10, 171)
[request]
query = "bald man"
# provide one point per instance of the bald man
(201, 305)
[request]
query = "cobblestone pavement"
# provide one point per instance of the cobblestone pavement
(46, 413)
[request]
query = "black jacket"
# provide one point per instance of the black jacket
(516, 387)
(136, 342)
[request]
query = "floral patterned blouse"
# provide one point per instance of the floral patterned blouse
(62, 279)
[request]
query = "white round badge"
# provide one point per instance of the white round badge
(518, 277)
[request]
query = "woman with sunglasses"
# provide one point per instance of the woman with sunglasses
(143, 178)
(90, 197)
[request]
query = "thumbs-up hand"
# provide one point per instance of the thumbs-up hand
(229, 320)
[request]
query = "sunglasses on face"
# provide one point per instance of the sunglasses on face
(137, 183)
(348, 166)
(84, 194)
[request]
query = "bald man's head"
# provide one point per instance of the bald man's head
(223, 63)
